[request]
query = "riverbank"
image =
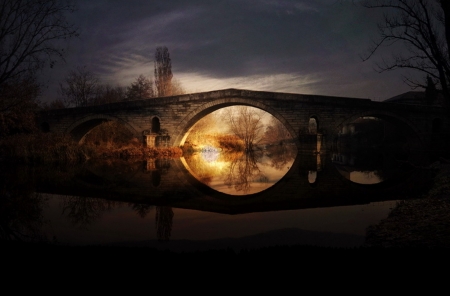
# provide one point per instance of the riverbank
(42, 148)
(422, 223)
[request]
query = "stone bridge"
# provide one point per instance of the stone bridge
(166, 121)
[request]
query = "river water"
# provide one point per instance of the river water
(208, 200)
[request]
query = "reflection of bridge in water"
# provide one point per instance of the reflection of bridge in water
(166, 182)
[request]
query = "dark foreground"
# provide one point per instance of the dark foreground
(421, 225)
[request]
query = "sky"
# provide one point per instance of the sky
(293, 46)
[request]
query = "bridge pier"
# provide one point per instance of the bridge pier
(150, 140)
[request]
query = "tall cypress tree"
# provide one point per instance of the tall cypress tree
(163, 72)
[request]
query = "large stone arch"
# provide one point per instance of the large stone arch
(81, 127)
(416, 137)
(195, 115)
(385, 115)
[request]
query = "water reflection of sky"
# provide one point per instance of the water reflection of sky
(367, 177)
(210, 154)
(213, 166)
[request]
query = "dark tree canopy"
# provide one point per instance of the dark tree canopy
(141, 88)
(422, 27)
(29, 35)
(80, 88)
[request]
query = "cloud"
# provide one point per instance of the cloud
(194, 82)
(285, 45)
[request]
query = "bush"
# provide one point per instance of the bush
(41, 148)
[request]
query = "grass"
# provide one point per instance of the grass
(44, 148)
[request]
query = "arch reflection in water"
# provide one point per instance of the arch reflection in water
(371, 150)
(239, 173)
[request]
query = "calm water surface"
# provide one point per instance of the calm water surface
(276, 196)
(341, 226)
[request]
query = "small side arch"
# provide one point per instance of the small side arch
(313, 125)
(81, 127)
(156, 125)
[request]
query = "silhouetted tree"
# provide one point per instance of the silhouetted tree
(29, 35)
(141, 88)
(422, 26)
(80, 88)
(163, 72)
(55, 104)
(109, 94)
(30, 31)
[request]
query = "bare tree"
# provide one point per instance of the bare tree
(275, 132)
(55, 104)
(420, 25)
(246, 123)
(445, 5)
(29, 35)
(163, 72)
(80, 88)
(141, 88)
(107, 93)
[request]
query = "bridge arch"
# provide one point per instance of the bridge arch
(404, 124)
(411, 140)
(80, 128)
(195, 115)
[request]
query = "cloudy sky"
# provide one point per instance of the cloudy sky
(295, 46)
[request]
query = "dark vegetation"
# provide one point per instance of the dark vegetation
(109, 140)
(25, 54)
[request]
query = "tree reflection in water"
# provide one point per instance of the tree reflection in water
(281, 155)
(83, 211)
(21, 216)
(242, 171)
(141, 209)
(163, 222)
